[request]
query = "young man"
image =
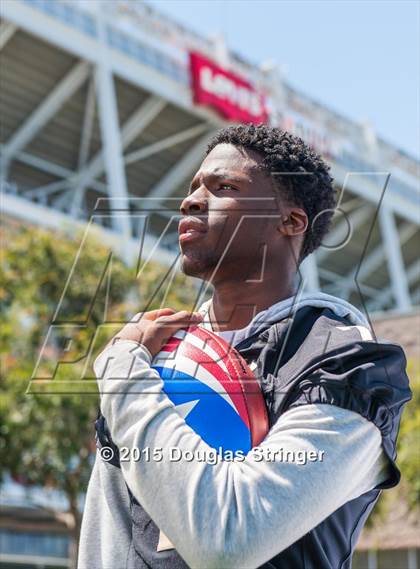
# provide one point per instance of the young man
(260, 203)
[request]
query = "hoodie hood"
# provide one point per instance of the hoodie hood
(284, 309)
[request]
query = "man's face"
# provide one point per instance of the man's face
(230, 215)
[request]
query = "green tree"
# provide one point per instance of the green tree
(47, 435)
(409, 440)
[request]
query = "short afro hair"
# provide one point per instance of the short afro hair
(285, 154)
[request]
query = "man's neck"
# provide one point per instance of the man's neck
(235, 304)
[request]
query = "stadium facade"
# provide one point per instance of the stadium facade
(106, 109)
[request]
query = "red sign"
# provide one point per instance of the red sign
(233, 97)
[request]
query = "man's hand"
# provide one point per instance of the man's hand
(154, 328)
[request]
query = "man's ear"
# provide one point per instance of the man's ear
(293, 222)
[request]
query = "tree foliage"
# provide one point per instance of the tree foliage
(409, 440)
(47, 432)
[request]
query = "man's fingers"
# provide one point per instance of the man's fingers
(178, 320)
(161, 325)
(154, 314)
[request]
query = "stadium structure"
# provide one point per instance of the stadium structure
(105, 104)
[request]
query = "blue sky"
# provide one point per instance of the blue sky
(361, 57)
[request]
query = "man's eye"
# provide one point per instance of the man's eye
(226, 187)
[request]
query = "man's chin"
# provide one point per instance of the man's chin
(191, 268)
(195, 267)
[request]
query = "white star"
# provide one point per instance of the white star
(185, 409)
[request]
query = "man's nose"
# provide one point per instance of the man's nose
(194, 203)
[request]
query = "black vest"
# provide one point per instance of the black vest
(307, 360)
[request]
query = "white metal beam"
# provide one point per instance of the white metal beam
(181, 170)
(110, 130)
(372, 559)
(339, 283)
(66, 175)
(62, 202)
(111, 141)
(377, 256)
(7, 29)
(54, 169)
(415, 297)
(45, 111)
(345, 284)
(412, 559)
(45, 216)
(138, 121)
(412, 275)
(396, 268)
(85, 139)
(43, 165)
(351, 204)
(413, 272)
(341, 233)
(369, 188)
(46, 190)
(165, 143)
(141, 119)
(89, 115)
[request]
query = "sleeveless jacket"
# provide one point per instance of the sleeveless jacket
(316, 357)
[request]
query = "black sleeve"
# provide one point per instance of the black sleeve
(337, 364)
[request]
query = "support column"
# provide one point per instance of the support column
(7, 29)
(396, 269)
(85, 140)
(372, 559)
(110, 131)
(412, 559)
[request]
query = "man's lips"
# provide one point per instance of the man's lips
(191, 228)
(190, 235)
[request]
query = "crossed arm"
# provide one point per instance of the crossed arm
(233, 514)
